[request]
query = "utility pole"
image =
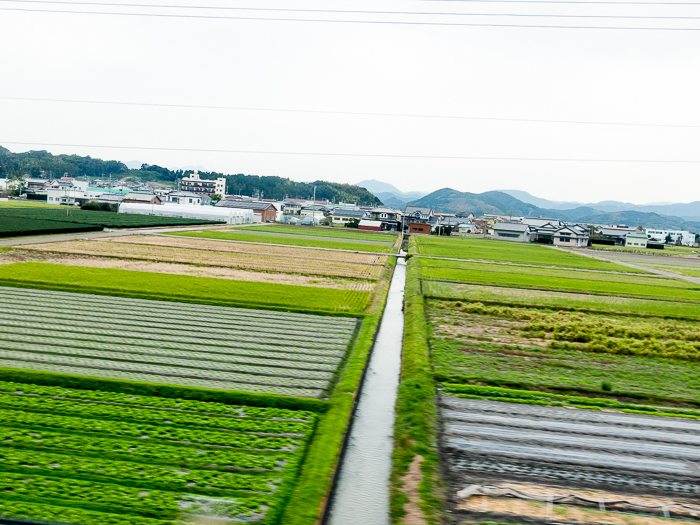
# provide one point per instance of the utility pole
(314, 194)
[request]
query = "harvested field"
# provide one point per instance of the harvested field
(226, 348)
(185, 269)
(254, 249)
(553, 450)
(276, 262)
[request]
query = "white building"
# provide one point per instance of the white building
(687, 238)
(191, 211)
(207, 186)
(636, 240)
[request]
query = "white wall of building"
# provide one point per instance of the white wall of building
(687, 238)
(229, 215)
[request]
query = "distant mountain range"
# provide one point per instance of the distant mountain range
(689, 211)
(388, 194)
(506, 203)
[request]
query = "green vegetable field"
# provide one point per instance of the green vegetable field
(289, 240)
(222, 348)
(324, 231)
(139, 460)
(28, 220)
(494, 321)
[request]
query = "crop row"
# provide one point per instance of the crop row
(546, 398)
(115, 317)
(136, 333)
(244, 357)
(135, 474)
(151, 415)
(126, 344)
(164, 369)
(150, 452)
(163, 433)
(269, 368)
(167, 308)
(201, 407)
(58, 514)
(154, 377)
(242, 332)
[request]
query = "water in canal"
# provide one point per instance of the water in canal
(362, 492)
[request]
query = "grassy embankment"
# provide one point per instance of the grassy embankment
(415, 431)
(290, 240)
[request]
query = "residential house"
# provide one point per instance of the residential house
(513, 232)
(573, 235)
(423, 228)
(390, 218)
(143, 198)
(187, 197)
(342, 217)
(266, 210)
(636, 240)
(418, 213)
(366, 224)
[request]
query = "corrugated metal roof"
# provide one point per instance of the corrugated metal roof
(245, 205)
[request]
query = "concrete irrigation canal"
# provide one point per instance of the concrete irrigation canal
(362, 491)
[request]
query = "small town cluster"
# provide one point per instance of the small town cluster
(199, 198)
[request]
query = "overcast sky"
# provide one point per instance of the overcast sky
(625, 76)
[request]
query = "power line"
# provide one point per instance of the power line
(365, 155)
(350, 113)
(585, 2)
(373, 22)
(336, 11)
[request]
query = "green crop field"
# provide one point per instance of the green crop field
(289, 240)
(561, 300)
(605, 284)
(85, 456)
(183, 288)
(517, 332)
(224, 348)
(20, 226)
(490, 250)
(33, 220)
(325, 231)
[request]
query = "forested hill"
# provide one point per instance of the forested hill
(45, 164)
(498, 203)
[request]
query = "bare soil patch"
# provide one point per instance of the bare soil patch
(414, 515)
(226, 259)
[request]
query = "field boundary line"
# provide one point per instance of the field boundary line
(646, 298)
(290, 246)
(530, 265)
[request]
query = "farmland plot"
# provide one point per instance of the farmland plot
(172, 343)
(210, 257)
(82, 456)
(647, 459)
